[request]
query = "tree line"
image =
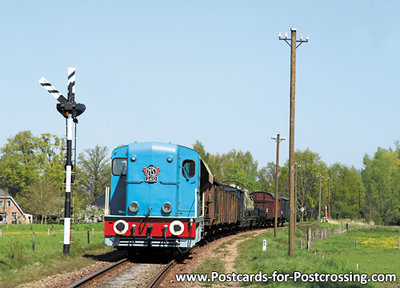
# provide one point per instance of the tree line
(32, 171)
(371, 193)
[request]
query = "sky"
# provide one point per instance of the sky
(212, 71)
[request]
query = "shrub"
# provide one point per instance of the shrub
(16, 250)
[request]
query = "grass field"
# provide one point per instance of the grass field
(19, 263)
(377, 252)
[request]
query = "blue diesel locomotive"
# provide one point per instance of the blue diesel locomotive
(155, 198)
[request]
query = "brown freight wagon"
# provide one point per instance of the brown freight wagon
(265, 203)
(221, 209)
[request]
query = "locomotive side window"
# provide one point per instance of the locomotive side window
(188, 168)
(119, 166)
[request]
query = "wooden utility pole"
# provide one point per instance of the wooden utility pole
(291, 140)
(319, 201)
(293, 45)
(329, 198)
(297, 166)
(278, 140)
(359, 202)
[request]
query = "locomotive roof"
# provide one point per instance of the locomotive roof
(154, 143)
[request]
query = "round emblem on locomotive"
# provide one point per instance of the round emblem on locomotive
(151, 174)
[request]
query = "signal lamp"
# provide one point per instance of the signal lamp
(166, 208)
(134, 207)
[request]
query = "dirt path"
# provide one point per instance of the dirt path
(216, 249)
(231, 251)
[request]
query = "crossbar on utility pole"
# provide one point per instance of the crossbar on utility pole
(278, 140)
(293, 45)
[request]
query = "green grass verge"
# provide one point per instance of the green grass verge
(377, 252)
(19, 263)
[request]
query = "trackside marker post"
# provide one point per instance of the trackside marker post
(264, 245)
(70, 110)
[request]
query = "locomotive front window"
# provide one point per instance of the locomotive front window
(119, 166)
(188, 168)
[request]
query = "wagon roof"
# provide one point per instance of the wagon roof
(263, 192)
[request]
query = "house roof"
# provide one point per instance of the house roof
(5, 195)
(99, 202)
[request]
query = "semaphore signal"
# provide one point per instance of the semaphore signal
(53, 91)
(70, 110)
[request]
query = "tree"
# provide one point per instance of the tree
(235, 167)
(381, 180)
(346, 191)
(26, 159)
(266, 178)
(42, 198)
(94, 173)
(310, 166)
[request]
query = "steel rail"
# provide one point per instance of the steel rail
(161, 275)
(97, 273)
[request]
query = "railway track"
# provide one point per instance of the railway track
(135, 274)
(156, 281)
(155, 272)
(92, 276)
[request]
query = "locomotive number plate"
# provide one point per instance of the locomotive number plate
(151, 174)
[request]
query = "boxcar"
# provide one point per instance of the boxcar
(265, 203)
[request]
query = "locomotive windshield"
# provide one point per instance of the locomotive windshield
(188, 168)
(119, 166)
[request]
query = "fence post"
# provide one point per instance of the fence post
(48, 232)
(88, 237)
(33, 241)
(1, 233)
(92, 231)
(308, 239)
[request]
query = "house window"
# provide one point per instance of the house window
(3, 217)
(14, 217)
(1, 204)
(8, 203)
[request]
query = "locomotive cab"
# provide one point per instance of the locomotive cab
(154, 196)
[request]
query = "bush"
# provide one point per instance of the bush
(16, 250)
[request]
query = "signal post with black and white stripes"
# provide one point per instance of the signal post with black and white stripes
(70, 110)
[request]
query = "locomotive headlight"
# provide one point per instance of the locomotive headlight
(176, 228)
(120, 227)
(166, 207)
(134, 207)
